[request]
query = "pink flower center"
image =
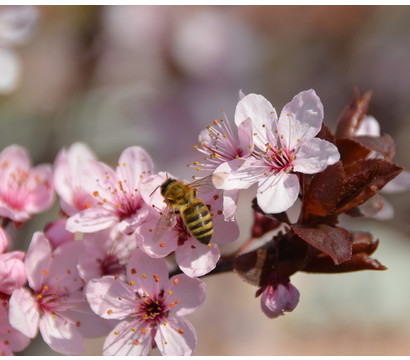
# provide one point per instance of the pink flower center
(111, 265)
(152, 310)
(279, 159)
(123, 201)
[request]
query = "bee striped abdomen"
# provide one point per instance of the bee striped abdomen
(198, 221)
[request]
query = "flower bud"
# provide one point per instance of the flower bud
(12, 271)
(276, 300)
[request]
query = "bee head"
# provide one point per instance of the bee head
(164, 186)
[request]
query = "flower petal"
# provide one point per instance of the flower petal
(225, 232)
(37, 260)
(86, 321)
(187, 293)
(60, 335)
(134, 164)
(41, 184)
(301, 119)
(245, 137)
(12, 271)
(400, 183)
(156, 249)
(15, 156)
(11, 338)
(123, 341)
(368, 126)
(273, 301)
(102, 295)
(67, 170)
(277, 193)
(230, 204)
(176, 338)
(261, 113)
(62, 271)
(4, 240)
(91, 220)
(239, 173)
(24, 314)
(146, 272)
(314, 156)
(196, 259)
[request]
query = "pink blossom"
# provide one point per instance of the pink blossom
(287, 146)
(57, 233)
(68, 168)
(12, 271)
(277, 299)
(106, 252)
(24, 190)
(55, 304)
(119, 200)
(220, 145)
(11, 340)
(150, 306)
(4, 240)
(193, 257)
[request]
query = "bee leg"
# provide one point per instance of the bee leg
(209, 207)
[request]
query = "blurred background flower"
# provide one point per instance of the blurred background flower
(155, 76)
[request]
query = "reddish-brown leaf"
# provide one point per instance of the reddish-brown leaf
(363, 179)
(360, 261)
(352, 115)
(351, 151)
(326, 134)
(332, 240)
(384, 145)
(363, 242)
(323, 193)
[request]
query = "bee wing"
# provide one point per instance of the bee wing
(219, 178)
(209, 183)
(165, 222)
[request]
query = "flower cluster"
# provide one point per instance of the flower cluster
(123, 259)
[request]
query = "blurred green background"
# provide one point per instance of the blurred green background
(155, 76)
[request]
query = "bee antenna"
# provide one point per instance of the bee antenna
(155, 190)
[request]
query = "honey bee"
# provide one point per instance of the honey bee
(181, 198)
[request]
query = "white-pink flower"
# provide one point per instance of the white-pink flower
(11, 340)
(287, 146)
(193, 257)
(106, 252)
(55, 304)
(24, 190)
(151, 308)
(219, 144)
(68, 168)
(119, 200)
